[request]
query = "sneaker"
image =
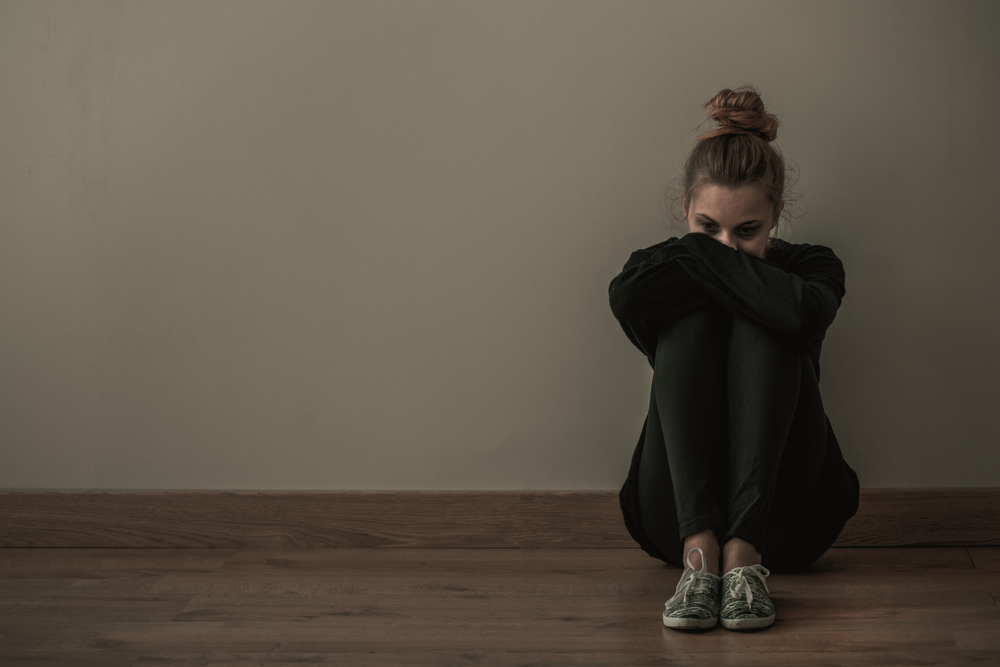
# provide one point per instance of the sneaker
(745, 601)
(695, 603)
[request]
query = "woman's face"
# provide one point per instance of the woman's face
(741, 218)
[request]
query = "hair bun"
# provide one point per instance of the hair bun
(740, 111)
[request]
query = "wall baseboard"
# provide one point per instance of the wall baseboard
(477, 519)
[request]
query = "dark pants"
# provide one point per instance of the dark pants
(736, 440)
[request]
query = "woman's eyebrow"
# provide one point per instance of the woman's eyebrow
(749, 222)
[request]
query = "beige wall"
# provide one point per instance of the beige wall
(366, 245)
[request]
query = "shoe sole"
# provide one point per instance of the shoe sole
(690, 623)
(747, 623)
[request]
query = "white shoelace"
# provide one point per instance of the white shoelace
(740, 584)
(691, 581)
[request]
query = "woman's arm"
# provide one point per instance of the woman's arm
(652, 286)
(801, 300)
(652, 290)
(668, 279)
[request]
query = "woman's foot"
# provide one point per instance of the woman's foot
(746, 603)
(695, 603)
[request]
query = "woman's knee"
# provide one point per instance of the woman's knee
(747, 327)
(747, 337)
(691, 350)
(703, 327)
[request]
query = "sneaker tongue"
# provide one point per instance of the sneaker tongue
(740, 587)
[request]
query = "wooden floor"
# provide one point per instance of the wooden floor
(408, 606)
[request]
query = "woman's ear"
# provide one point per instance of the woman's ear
(684, 205)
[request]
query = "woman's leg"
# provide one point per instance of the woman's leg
(682, 474)
(773, 422)
(797, 532)
(777, 435)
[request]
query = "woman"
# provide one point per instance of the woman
(737, 461)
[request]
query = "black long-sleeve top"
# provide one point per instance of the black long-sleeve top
(795, 291)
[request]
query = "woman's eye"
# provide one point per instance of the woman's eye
(742, 231)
